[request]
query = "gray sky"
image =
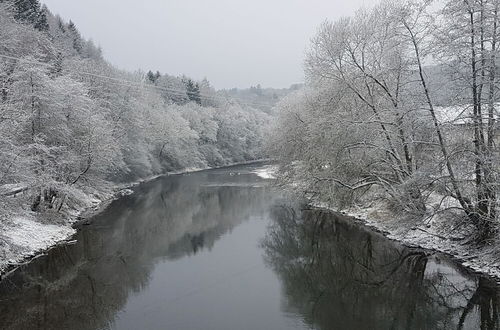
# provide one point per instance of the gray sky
(234, 43)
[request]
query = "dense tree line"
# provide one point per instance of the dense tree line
(368, 121)
(71, 124)
(260, 97)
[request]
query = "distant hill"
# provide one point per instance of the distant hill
(261, 98)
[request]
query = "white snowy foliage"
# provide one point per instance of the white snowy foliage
(71, 124)
(368, 120)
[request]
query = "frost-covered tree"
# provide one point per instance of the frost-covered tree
(369, 122)
(153, 77)
(72, 125)
(29, 11)
(193, 91)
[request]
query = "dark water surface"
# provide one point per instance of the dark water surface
(222, 249)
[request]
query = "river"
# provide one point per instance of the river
(225, 249)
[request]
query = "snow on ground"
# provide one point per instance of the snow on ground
(23, 236)
(429, 235)
(461, 114)
(267, 172)
(438, 231)
(26, 237)
(189, 170)
(12, 189)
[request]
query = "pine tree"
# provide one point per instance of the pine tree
(150, 76)
(193, 91)
(58, 65)
(153, 77)
(29, 11)
(157, 76)
(60, 24)
(41, 23)
(77, 39)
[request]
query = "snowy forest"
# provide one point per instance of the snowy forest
(400, 110)
(72, 126)
(359, 191)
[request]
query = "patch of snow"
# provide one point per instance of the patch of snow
(460, 114)
(432, 237)
(34, 235)
(23, 237)
(12, 188)
(267, 172)
(126, 192)
(190, 170)
(26, 237)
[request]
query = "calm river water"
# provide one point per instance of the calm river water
(223, 249)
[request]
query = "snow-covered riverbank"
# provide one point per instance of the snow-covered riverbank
(29, 234)
(267, 172)
(431, 235)
(439, 232)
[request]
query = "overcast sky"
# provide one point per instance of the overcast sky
(234, 43)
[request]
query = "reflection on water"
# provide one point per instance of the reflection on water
(83, 286)
(221, 250)
(338, 276)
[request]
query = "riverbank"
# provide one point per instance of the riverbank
(442, 230)
(431, 234)
(29, 235)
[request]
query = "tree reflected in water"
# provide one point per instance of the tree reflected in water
(337, 275)
(83, 286)
(334, 274)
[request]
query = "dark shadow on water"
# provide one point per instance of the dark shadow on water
(326, 271)
(83, 286)
(336, 275)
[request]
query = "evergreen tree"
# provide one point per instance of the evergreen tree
(157, 76)
(58, 65)
(193, 91)
(41, 23)
(60, 24)
(29, 11)
(77, 38)
(150, 76)
(153, 77)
